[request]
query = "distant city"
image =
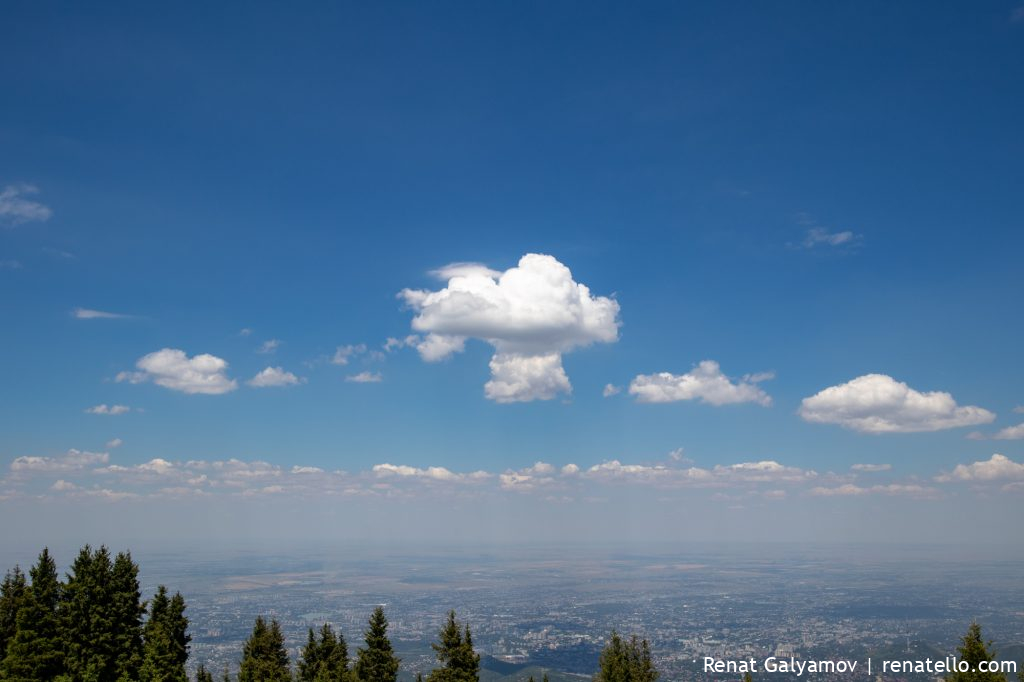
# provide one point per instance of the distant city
(536, 610)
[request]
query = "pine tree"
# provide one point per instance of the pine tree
(973, 650)
(203, 675)
(460, 663)
(166, 639)
(747, 677)
(87, 619)
(264, 658)
(126, 614)
(326, 659)
(35, 653)
(623, 661)
(376, 662)
(12, 597)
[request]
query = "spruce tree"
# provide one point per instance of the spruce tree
(35, 653)
(264, 658)
(126, 617)
(326, 659)
(376, 662)
(973, 649)
(87, 619)
(203, 675)
(459, 662)
(12, 597)
(623, 661)
(166, 639)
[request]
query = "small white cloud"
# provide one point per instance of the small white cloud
(820, 236)
(870, 468)
(103, 408)
(610, 390)
(173, 369)
(90, 314)
(307, 470)
(1019, 409)
(269, 346)
(996, 468)
(531, 314)
(343, 354)
(16, 208)
(60, 485)
(877, 403)
(570, 470)
(114, 443)
(705, 382)
(1010, 433)
(433, 473)
(245, 331)
(365, 378)
(10, 264)
(893, 489)
(274, 376)
(72, 460)
(393, 344)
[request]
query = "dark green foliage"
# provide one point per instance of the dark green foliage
(35, 652)
(203, 675)
(747, 677)
(126, 611)
(166, 640)
(376, 662)
(264, 658)
(90, 652)
(459, 662)
(973, 649)
(324, 659)
(12, 597)
(623, 661)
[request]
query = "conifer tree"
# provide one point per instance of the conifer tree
(87, 627)
(12, 597)
(747, 677)
(623, 661)
(326, 659)
(203, 675)
(35, 652)
(166, 639)
(126, 616)
(264, 658)
(973, 650)
(376, 662)
(460, 663)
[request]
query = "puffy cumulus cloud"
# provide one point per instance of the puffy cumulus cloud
(365, 378)
(877, 403)
(306, 470)
(114, 443)
(870, 468)
(16, 207)
(610, 389)
(344, 354)
(1010, 433)
(529, 478)
(531, 314)
(173, 369)
(90, 314)
(743, 473)
(72, 460)
(570, 470)
(705, 382)
(996, 468)
(274, 376)
(103, 408)
(893, 489)
(522, 378)
(62, 486)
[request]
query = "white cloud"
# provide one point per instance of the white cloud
(893, 489)
(705, 382)
(103, 408)
(114, 443)
(819, 235)
(870, 468)
(997, 467)
(16, 208)
(433, 473)
(60, 485)
(343, 354)
(365, 378)
(540, 474)
(610, 390)
(10, 264)
(307, 470)
(269, 346)
(393, 344)
(245, 331)
(570, 470)
(1010, 433)
(72, 460)
(173, 369)
(877, 403)
(522, 378)
(90, 314)
(531, 314)
(274, 376)
(1019, 409)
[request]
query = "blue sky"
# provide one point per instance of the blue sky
(815, 192)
